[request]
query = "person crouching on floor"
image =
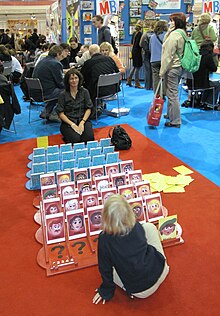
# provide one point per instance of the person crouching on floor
(118, 263)
(74, 108)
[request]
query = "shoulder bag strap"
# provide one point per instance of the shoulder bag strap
(159, 39)
(183, 35)
(201, 31)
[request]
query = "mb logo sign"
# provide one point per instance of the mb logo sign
(105, 7)
(211, 6)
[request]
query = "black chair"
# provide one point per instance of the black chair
(36, 95)
(105, 81)
(188, 76)
(7, 69)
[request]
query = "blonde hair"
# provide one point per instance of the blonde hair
(108, 46)
(118, 217)
(94, 49)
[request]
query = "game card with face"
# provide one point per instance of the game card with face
(95, 219)
(142, 188)
(102, 183)
(55, 230)
(63, 177)
(49, 191)
(71, 202)
(80, 174)
(135, 176)
(96, 172)
(118, 179)
(127, 191)
(84, 186)
(167, 227)
(52, 206)
(111, 169)
(90, 199)
(47, 179)
(138, 209)
(127, 166)
(76, 227)
(154, 207)
(67, 188)
(106, 193)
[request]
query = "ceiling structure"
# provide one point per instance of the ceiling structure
(23, 8)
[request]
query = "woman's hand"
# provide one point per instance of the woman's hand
(81, 127)
(97, 298)
(76, 129)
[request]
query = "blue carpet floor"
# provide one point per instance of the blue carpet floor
(196, 143)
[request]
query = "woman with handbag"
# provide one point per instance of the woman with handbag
(204, 31)
(136, 57)
(171, 69)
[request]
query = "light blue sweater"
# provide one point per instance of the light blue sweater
(156, 47)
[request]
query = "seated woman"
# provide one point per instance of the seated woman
(107, 50)
(74, 108)
(138, 269)
(208, 64)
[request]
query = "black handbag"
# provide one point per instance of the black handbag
(120, 138)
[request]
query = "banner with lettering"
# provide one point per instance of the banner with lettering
(211, 6)
(106, 7)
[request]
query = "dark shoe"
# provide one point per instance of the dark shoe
(128, 82)
(186, 104)
(44, 115)
(169, 124)
(139, 86)
(166, 116)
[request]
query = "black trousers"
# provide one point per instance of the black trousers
(70, 136)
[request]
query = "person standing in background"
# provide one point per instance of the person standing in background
(104, 34)
(155, 47)
(137, 61)
(144, 43)
(204, 31)
(171, 68)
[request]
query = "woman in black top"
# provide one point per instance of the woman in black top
(208, 64)
(136, 57)
(74, 108)
(130, 255)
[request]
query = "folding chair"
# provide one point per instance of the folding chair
(35, 91)
(7, 68)
(104, 81)
(187, 75)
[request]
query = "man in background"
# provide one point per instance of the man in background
(50, 73)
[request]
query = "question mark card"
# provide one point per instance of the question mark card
(95, 219)
(55, 228)
(76, 227)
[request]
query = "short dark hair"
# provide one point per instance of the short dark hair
(180, 20)
(208, 45)
(73, 39)
(55, 50)
(70, 72)
(65, 46)
(99, 18)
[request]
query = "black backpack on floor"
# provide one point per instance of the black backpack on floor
(120, 138)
